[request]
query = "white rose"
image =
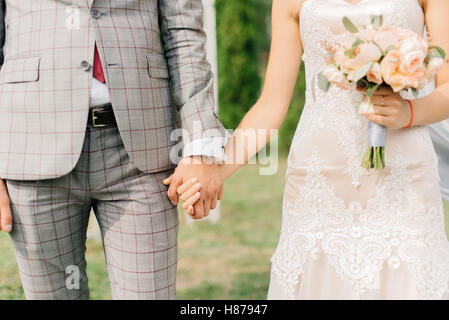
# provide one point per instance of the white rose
(411, 44)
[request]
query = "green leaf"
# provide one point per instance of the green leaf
(350, 53)
(362, 83)
(362, 71)
(371, 90)
(381, 20)
(439, 50)
(357, 42)
(347, 23)
(415, 92)
(389, 48)
(323, 83)
(376, 21)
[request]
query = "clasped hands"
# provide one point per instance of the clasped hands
(199, 184)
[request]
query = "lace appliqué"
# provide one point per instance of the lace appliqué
(394, 229)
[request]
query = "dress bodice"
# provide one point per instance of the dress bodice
(321, 20)
(322, 28)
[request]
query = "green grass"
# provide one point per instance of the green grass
(230, 260)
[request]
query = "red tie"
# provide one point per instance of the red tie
(98, 68)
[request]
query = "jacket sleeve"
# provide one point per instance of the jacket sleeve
(183, 40)
(2, 29)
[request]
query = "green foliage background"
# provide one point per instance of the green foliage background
(243, 29)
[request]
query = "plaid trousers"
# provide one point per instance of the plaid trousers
(138, 223)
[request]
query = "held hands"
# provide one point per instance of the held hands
(390, 110)
(5, 209)
(193, 175)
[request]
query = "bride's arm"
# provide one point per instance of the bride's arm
(435, 107)
(282, 72)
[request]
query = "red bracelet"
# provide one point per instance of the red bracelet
(411, 110)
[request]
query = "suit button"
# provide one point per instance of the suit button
(95, 13)
(85, 65)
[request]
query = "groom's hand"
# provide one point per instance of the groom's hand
(5, 209)
(207, 174)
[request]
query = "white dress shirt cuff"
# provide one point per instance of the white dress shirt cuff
(209, 147)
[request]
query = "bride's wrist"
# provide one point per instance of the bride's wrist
(410, 105)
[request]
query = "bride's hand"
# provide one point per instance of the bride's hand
(390, 110)
(189, 193)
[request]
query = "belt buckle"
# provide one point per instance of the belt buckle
(94, 117)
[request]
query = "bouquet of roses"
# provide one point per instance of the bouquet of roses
(375, 56)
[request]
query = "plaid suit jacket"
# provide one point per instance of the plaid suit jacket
(155, 67)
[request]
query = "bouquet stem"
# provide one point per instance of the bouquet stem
(374, 158)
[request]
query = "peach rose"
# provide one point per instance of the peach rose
(384, 37)
(375, 74)
(340, 58)
(364, 53)
(412, 62)
(397, 74)
(336, 77)
(414, 51)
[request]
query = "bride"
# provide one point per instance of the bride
(348, 233)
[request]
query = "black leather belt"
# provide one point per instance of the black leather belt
(101, 116)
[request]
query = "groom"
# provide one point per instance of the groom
(89, 94)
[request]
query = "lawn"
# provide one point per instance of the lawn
(228, 260)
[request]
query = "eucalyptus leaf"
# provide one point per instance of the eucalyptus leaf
(350, 53)
(357, 42)
(323, 83)
(415, 92)
(376, 21)
(439, 50)
(433, 54)
(362, 71)
(371, 90)
(347, 23)
(362, 83)
(389, 48)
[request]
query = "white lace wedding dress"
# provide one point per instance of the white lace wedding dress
(348, 233)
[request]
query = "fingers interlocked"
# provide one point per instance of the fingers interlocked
(189, 193)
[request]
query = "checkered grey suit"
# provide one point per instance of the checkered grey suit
(56, 171)
(44, 86)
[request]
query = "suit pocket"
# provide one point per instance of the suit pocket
(20, 70)
(157, 66)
